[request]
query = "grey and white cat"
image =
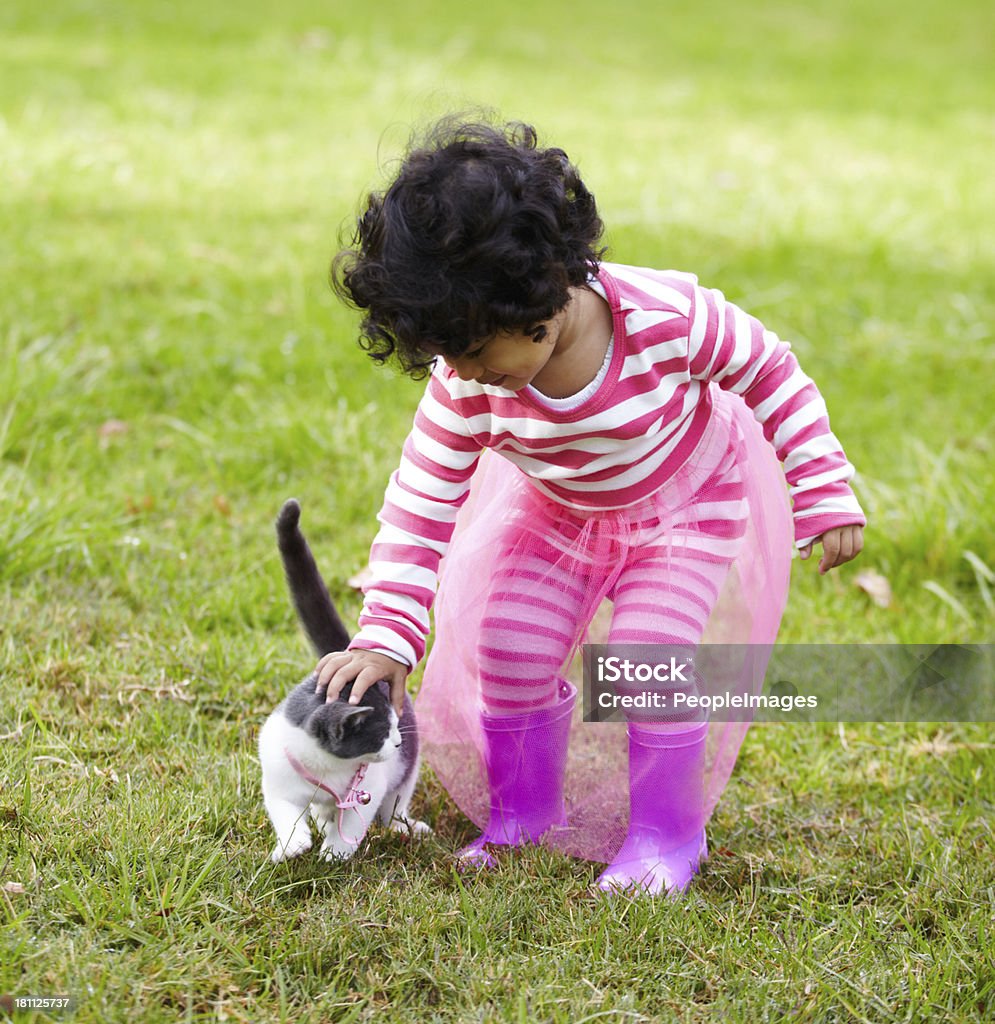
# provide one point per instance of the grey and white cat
(341, 765)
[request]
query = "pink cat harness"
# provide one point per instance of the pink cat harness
(354, 797)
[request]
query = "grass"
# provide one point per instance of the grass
(172, 366)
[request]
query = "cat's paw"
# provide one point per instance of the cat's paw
(333, 853)
(294, 848)
(410, 827)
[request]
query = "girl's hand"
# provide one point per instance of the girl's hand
(363, 669)
(838, 546)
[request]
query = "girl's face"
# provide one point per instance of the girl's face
(508, 360)
(505, 361)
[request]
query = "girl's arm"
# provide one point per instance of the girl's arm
(416, 524)
(734, 349)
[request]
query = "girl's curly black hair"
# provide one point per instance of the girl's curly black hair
(481, 232)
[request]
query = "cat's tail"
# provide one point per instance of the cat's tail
(310, 595)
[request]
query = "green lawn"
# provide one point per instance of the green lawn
(173, 181)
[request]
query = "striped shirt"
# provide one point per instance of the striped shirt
(618, 446)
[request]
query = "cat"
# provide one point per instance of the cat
(342, 765)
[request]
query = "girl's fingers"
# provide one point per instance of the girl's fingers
(838, 547)
(830, 551)
(851, 544)
(846, 547)
(397, 689)
(336, 671)
(367, 678)
(328, 666)
(361, 678)
(340, 677)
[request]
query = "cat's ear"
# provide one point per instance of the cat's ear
(349, 718)
(356, 716)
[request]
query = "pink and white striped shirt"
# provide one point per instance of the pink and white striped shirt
(672, 338)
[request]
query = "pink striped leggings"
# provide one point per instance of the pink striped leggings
(663, 592)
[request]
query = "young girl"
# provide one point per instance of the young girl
(623, 410)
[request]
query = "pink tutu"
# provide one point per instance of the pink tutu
(503, 504)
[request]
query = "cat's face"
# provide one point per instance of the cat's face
(366, 731)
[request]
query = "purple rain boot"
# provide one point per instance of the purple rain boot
(525, 756)
(666, 839)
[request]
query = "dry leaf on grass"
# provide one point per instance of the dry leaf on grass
(875, 586)
(110, 429)
(136, 506)
(166, 690)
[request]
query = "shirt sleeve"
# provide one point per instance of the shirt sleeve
(734, 350)
(423, 496)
